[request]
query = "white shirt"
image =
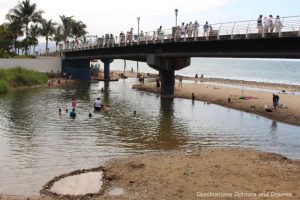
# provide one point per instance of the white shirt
(97, 103)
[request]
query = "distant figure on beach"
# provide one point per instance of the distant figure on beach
(275, 101)
(98, 104)
(180, 82)
(201, 76)
(73, 103)
(132, 70)
(259, 24)
(157, 83)
(196, 76)
(73, 113)
(59, 111)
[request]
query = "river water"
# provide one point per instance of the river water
(37, 144)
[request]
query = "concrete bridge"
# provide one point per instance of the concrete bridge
(169, 52)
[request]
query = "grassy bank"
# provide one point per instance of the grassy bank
(18, 77)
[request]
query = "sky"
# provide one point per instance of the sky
(112, 16)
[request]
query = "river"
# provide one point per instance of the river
(37, 144)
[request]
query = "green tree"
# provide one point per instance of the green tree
(78, 29)
(15, 29)
(66, 26)
(34, 33)
(25, 13)
(5, 38)
(47, 30)
(58, 37)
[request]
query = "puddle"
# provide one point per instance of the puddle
(116, 191)
(81, 184)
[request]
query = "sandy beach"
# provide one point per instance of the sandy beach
(254, 101)
(209, 173)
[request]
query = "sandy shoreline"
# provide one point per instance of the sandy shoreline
(194, 173)
(255, 101)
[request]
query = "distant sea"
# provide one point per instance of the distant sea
(261, 70)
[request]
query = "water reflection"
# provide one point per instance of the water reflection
(170, 132)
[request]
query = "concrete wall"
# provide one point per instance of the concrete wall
(41, 64)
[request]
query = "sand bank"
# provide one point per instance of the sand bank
(255, 101)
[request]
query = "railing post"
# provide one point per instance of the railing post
(184, 39)
(247, 35)
(232, 31)
(146, 37)
(218, 36)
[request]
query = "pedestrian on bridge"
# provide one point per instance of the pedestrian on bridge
(205, 29)
(278, 24)
(259, 24)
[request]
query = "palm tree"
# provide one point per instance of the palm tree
(47, 30)
(58, 37)
(66, 26)
(25, 13)
(16, 30)
(34, 33)
(78, 29)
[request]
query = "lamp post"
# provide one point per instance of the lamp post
(137, 62)
(176, 13)
(138, 19)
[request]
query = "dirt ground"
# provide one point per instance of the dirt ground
(220, 173)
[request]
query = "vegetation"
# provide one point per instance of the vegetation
(25, 24)
(17, 77)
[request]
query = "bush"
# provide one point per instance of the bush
(18, 76)
(3, 86)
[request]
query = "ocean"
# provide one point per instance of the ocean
(261, 70)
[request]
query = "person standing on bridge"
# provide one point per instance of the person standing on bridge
(205, 29)
(195, 28)
(182, 28)
(270, 23)
(278, 24)
(259, 24)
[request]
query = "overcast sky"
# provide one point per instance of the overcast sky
(112, 16)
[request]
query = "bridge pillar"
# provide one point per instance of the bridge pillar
(107, 68)
(77, 69)
(166, 67)
(167, 84)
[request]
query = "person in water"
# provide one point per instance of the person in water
(73, 103)
(59, 111)
(73, 113)
(90, 115)
(98, 104)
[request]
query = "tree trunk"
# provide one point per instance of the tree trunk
(47, 44)
(26, 32)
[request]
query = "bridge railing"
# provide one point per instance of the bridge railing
(290, 27)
